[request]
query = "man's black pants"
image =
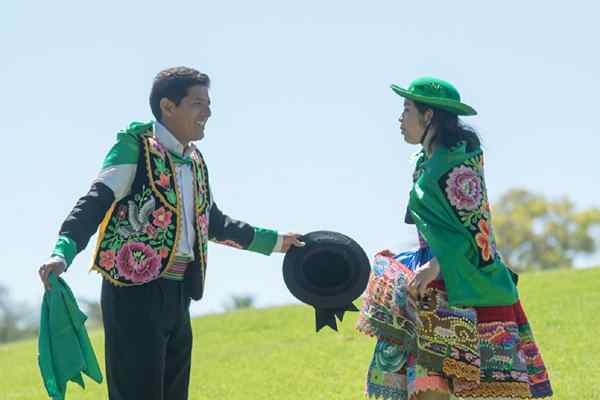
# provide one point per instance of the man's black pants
(148, 340)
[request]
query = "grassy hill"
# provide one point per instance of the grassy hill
(275, 354)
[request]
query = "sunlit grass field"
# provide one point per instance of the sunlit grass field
(275, 353)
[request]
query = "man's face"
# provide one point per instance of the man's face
(186, 121)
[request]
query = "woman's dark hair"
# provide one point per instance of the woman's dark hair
(449, 130)
(173, 83)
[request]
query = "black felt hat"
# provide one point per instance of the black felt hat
(328, 273)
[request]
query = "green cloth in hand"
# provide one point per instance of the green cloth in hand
(64, 347)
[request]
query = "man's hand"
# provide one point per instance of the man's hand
(423, 276)
(52, 265)
(289, 240)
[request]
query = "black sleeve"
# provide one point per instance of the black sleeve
(86, 216)
(222, 228)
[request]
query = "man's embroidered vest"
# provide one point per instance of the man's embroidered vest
(139, 236)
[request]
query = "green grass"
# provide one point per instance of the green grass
(275, 354)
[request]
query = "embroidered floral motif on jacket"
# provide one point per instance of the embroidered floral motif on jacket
(140, 233)
(464, 186)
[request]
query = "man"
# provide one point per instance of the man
(153, 203)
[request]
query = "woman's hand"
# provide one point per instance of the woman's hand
(424, 275)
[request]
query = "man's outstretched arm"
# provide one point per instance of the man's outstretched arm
(112, 184)
(228, 231)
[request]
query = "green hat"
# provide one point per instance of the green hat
(436, 93)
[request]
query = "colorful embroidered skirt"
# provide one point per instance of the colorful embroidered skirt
(481, 352)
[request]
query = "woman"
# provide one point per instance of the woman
(447, 317)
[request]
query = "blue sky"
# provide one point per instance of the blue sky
(304, 133)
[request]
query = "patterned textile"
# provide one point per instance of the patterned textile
(465, 190)
(147, 200)
(176, 271)
(450, 207)
(483, 352)
(138, 238)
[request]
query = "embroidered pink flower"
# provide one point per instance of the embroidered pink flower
(138, 262)
(150, 230)
(164, 181)
(202, 224)
(483, 240)
(163, 252)
(107, 259)
(463, 188)
(162, 217)
(122, 212)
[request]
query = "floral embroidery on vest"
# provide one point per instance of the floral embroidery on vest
(162, 174)
(202, 207)
(139, 235)
(464, 188)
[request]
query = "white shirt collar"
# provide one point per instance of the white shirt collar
(167, 139)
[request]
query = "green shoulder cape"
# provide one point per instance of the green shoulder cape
(450, 207)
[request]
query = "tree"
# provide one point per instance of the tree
(93, 311)
(238, 302)
(535, 233)
(17, 321)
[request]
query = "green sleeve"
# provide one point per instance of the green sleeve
(82, 222)
(66, 248)
(264, 241)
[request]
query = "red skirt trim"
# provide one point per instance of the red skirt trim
(513, 312)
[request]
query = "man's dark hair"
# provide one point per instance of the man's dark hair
(173, 83)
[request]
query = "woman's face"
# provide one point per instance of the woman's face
(412, 123)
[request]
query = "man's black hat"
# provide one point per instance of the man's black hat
(328, 273)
